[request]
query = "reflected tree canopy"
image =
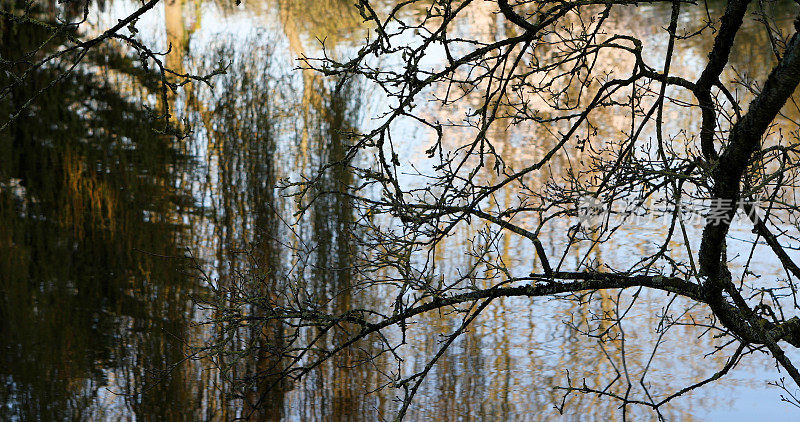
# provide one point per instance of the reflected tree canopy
(310, 210)
(89, 203)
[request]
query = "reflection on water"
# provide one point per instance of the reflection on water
(90, 308)
(98, 302)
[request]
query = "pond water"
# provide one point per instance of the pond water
(113, 234)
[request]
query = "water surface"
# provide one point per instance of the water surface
(114, 232)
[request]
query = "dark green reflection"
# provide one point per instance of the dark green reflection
(87, 210)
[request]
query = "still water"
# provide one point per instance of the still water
(113, 234)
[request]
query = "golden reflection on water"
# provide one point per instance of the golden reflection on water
(86, 315)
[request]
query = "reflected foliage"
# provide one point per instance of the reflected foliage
(87, 222)
(95, 204)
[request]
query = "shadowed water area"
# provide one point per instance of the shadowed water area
(118, 225)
